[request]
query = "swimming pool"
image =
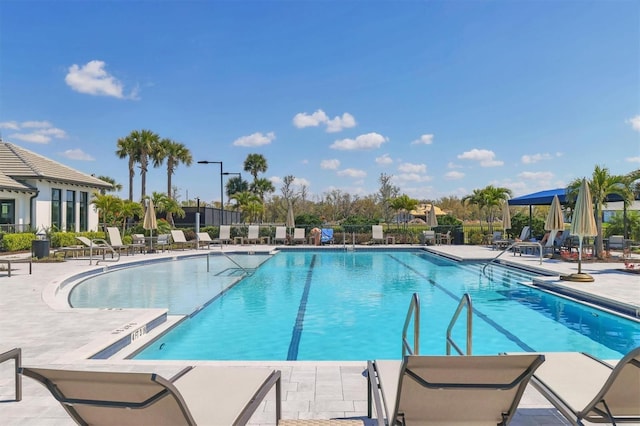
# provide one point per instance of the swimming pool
(345, 305)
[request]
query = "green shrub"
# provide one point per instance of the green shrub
(17, 242)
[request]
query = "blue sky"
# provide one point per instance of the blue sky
(444, 96)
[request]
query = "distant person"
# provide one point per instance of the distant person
(316, 234)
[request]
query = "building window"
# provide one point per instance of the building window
(56, 209)
(7, 214)
(84, 211)
(71, 211)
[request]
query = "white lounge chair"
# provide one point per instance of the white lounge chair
(281, 235)
(177, 235)
(204, 239)
(196, 395)
(299, 236)
(429, 237)
(253, 235)
(115, 241)
(377, 236)
(163, 242)
(583, 387)
(449, 390)
(225, 235)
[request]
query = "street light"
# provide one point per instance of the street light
(221, 192)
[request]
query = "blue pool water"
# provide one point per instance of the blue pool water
(337, 305)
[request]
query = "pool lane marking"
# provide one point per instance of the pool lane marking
(292, 355)
(482, 316)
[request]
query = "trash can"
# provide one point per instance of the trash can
(458, 236)
(40, 248)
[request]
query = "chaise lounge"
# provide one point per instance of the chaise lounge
(584, 388)
(196, 395)
(449, 390)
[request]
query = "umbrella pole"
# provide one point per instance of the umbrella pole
(580, 256)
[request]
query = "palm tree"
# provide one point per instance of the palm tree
(108, 207)
(262, 186)
(403, 203)
(254, 164)
(146, 144)
(236, 184)
(602, 183)
(114, 185)
(244, 200)
(175, 153)
(128, 209)
(489, 198)
(127, 149)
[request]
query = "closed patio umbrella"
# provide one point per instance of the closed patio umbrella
(432, 220)
(583, 224)
(555, 220)
(506, 217)
(150, 223)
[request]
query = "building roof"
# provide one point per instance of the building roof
(8, 184)
(18, 164)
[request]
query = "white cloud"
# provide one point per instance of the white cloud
(530, 159)
(412, 168)
(635, 122)
(332, 164)
(413, 177)
(384, 160)
(540, 176)
(354, 173)
(36, 131)
(368, 141)
(77, 154)
(93, 79)
(11, 125)
(453, 175)
(485, 157)
(302, 119)
(451, 165)
(301, 182)
(426, 139)
(632, 159)
(336, 124)
(256, 139)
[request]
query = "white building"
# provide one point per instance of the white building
(39, 193)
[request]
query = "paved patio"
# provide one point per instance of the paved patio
(33, 318)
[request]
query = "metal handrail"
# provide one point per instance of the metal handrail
(515, 244)
(231, 260)
(16, 355)
(414, 307)
(104, 245)
(465, 301)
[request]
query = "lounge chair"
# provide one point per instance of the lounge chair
(196, 395)
(163, 242)
(449, 390)
(616, 242)
(139, 242)
(583, 387)
(326, 236)
(429, 237)
(97, 246)
(377, 236)
(253, 234)
(224, 236)
(115, 241)
(204, 239)
(444, 238)
(299, 236)
(281, 235)
(177, 235)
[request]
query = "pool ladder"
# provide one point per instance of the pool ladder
(530, 244)
(414, 313)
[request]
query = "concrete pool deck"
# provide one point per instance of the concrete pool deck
(56, 337)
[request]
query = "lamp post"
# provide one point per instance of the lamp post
(221, 191)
